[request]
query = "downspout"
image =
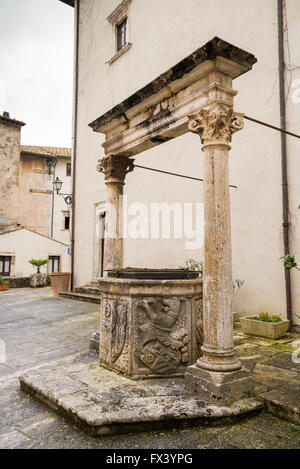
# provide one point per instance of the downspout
(77, 6)
(284, 175)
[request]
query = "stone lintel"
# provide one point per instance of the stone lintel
(210, 51)
(160, 111)
(217, 387)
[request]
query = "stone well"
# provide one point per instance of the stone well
(150, 328)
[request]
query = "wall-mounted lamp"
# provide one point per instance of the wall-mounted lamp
(57, 185)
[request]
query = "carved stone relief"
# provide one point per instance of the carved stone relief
(216, 123)
(115, 167)
(162, 337)
(114, 332)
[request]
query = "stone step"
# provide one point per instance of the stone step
(88, 290)
(89, 298)
(284, 402)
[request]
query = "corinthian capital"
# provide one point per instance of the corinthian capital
(115, 167)
(216, 124)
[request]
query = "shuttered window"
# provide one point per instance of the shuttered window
(5, 263)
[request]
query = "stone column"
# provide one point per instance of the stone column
(217, 376)
(115, 169)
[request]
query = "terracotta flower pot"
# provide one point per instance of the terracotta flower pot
(60, 282)
(4, 287)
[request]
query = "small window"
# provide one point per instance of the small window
(68, 169)
(54, 264)
(5, 264)
(121, 34)
(67, 222)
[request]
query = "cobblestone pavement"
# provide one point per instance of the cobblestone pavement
(38, 329)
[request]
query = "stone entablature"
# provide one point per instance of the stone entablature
(150, 328)
(161, 110)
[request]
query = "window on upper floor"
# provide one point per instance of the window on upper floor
(68, 169)
(119, 20)
(121, 32)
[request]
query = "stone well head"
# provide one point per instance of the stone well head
(150, 328)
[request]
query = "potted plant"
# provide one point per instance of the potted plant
(38, 279)
(264, 325)
(193, 266)
(4, 284)
(60, 282)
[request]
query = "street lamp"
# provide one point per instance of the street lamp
(57, 185)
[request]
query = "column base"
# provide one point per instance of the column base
(219, 387)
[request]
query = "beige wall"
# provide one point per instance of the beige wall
(35, 194)
(35, 197)
(9, 172)
(162, 33)
(24, 245)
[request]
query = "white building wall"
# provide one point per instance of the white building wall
(162, 33)
(25, 245)
(60, 207)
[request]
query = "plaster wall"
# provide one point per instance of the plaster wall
(24, 245)
(162, 33)
(36, 193)
(60, 207)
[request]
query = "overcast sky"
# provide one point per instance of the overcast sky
(36, 68)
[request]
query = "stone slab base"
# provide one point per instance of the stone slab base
(284, 402)
(103, 402)
(219, 388)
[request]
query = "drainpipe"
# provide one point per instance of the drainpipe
(284, 175)
(77, 10)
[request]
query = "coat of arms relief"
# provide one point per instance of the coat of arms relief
(162, 336)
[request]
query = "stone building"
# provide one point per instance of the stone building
(120, 47)
(29, 207)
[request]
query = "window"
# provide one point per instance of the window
(53, 266)
(68, 169)
(120, 22)
(67, 222)
(121, 31)
(5, 264)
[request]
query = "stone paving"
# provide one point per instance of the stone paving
(39, 329)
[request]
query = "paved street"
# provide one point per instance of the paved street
(38, 329)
